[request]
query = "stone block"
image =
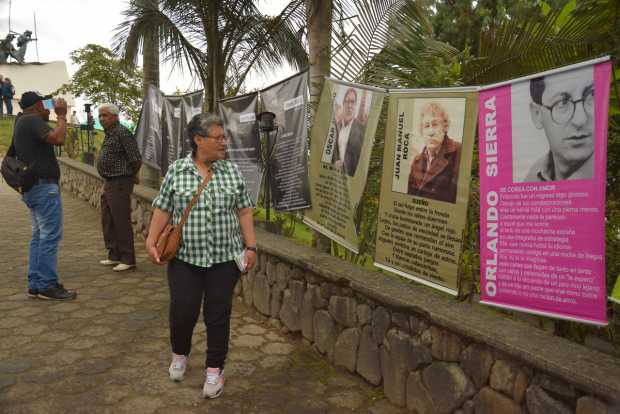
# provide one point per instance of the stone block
(296, 273)
(289, 317)
(282, 276)
(394, 379)
(468, 407)
(368, 364)
(446, 346)
(364, 314)
(447, 385)
(343, 310)
(488, 401)
(427, 338)
(522, 381)
(401, 349)
(381, 320)
(312, 278)
(276, 300)
(417, 325)
(307, 317)
(421, 355)
(401, 321)
(262, 294)
(345, 351)
(328, 290)
(317, 300)
(555, 387)
(418, 399)
(271, 267)
(503, 376)
(247, 281)
(590, 405)
(539, 402)
(325, 333)
(476, 361)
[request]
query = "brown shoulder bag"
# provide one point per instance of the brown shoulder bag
(169, 239)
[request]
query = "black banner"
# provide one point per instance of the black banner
(288, 164)
(239, 116)
(160, 133)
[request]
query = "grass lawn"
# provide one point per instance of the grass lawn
(6, 133)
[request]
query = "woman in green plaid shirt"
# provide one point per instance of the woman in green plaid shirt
(219, 229)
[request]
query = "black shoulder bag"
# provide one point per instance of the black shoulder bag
(19, 175)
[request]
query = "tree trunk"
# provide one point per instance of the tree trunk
(150, 58)
(319, 20)
(149, 176)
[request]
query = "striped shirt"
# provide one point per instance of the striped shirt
(211, 234)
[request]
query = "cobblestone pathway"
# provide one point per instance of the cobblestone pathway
(108, 351)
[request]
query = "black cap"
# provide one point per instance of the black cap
(32, 97)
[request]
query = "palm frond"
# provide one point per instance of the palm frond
(516, 48)
(358, 38)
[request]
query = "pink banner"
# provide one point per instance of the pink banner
(543, 152)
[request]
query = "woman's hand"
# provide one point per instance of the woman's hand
(250, 259)
(151, 249)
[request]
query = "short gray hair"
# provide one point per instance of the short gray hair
(200, 125)
(110, 107)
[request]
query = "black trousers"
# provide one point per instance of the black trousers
(213, 287)
(116, 219)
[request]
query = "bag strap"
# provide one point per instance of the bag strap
(201, 187)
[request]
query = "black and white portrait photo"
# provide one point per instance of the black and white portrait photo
(553, 127)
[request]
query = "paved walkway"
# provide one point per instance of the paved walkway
(108, 351)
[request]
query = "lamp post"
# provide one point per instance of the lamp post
(266, 124)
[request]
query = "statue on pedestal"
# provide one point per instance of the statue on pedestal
(22, 44)
(6, 48)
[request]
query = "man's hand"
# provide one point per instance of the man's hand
(339, 165)
(60, 107)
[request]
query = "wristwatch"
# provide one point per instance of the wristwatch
(251, 248)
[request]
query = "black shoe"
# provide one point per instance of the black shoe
(33, 293)
(57, 292)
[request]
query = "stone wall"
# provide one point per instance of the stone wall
(86, 184)
(427, 351)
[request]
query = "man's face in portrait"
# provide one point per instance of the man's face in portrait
(348, 105)
(566, 114)
(434, 128)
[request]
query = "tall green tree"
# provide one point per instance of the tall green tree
(220, 41)
(102, 77)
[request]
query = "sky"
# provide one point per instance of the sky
(65, 25)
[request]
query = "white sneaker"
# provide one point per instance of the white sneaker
(121, 267)
(214, 383)
(108, 262)
(177, 367)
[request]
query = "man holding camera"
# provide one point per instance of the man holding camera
(34, 142)
(118, 164)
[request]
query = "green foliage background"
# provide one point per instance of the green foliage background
(103, 78)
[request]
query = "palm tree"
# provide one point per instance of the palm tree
(319, 21)
(219, 41)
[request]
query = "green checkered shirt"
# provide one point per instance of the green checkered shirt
(211, 234)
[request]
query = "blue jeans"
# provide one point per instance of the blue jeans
(45, 205)
(8, 102)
